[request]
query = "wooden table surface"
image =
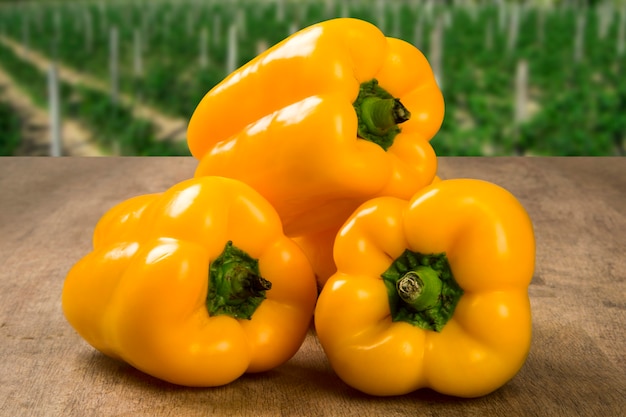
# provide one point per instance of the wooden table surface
(576, 367)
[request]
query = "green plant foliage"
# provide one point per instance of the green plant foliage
(10, 130)
(117, 130)
(574, 107)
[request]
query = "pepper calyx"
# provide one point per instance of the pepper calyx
(236, 287)
(378, 114)
(422, 290)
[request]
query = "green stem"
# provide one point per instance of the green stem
(378, 114)
(422, 290)
(236, 287)
(381, 114)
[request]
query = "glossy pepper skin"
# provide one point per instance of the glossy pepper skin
(144, 293)
(286, 123)
(487, 239)
(318, 247)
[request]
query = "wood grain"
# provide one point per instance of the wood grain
(577, 364)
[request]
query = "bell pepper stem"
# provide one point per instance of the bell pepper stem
(236, 287)
(382, 114)
(420, 288)
(378, 114)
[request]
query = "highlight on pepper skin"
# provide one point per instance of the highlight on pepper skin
(431, 292)
(350, 119)
(315, 198)
(195, 286)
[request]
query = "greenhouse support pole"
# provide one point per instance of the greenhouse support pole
(216, 37)
(232, 58)
(204, 48)
(541, 27)
(381, 21)
(436, 50)
(489, 36)
(88, 31)
(579, 38)
(113, 64)
(56, 144)
(418, 32)
(137, 53)
(261, 46)
(521, 101)
(513, 29)
(621, 32)
(280, 10)
(521, 91)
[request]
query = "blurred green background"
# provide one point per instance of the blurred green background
(518, 77)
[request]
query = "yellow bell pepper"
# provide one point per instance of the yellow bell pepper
(331, 116)
(431, 292)
(318, 247)
(195, 286)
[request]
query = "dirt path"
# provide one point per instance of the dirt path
(166, 127)
(35, 124)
